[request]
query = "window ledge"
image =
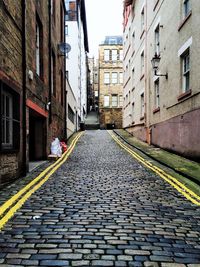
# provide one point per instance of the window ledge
(142, 34)
(142, 77)
(9, 150)
(155, 5)
(142, 118)
(156, 110)
(184, 95)
(184, 21)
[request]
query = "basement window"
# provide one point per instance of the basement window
(9, 118)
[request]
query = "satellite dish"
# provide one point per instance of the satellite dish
(64, 48)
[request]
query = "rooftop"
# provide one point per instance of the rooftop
(113, 40)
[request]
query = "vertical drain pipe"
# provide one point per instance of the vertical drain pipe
(24, 124)
(49, 70)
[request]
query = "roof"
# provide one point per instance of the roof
(113, 40)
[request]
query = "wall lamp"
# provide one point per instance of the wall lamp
(155, 63)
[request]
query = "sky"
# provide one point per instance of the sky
(104, 17)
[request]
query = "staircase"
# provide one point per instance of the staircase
(92, 121)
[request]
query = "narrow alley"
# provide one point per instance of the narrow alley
(102, 208)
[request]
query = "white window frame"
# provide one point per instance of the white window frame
(142, 63)
(121, 77)
(185, 62)
(121, 101)
(106, 78)
(186, 8)
(157, 93)
(142, 104)
(121, 55)
(7, 119)
(106, 54)
(114, 101)
(114, 78)
(106, 101)
(142, 19)
(157, 40)
(37, 49)
(114, 54)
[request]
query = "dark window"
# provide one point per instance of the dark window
(71, 114)
(9, 118)
(38, 43)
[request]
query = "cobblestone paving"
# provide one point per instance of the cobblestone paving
(102, 208)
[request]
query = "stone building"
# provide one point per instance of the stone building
(162, 100)
(32, 74)
(111, 82)
(76, 62)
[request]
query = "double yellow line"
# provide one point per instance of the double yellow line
(8, 209)
(190, 195)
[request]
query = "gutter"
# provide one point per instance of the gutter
(49, 70)
(24, 125)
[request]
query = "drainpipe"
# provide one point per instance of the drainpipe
(148, 137)
(24, 124)
(65, 91)
(49, 70)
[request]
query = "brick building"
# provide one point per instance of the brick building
(32, 75)
(162, 105)
(111, 82)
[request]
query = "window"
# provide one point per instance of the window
(142, 105)
(121, 101)
(121, 55)
(53, 73)
(142, 63)
(121, 77)
(106, 78)
(66, 30)
(114, 77)
(133, 77)
(106, 101)
(186, 71)
(157, 40)
(133, 41)
(9, 118)
(133, 112)
(38, 47)
(114, 55)
(114, 101)
(157, 94)
(71, 114)
(96, 93)
(186, 7)
(106, 55)
(142, 20)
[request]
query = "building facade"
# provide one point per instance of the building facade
(76, 62)
(32, 83)
(162, 101)
(111, 82)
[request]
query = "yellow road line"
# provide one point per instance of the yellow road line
(189, 194)
(20, 202)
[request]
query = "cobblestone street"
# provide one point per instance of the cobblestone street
(103, 208)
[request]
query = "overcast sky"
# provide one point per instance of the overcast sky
(104, 17)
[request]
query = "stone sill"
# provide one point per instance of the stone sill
(184, 21)
(184, 95)
(156, 110)
(142, 77)
(155, 5)
(142, 34)
(142, 118)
